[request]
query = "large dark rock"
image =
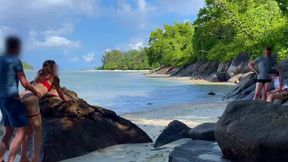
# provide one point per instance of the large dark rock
(245, 90)
(197, 151)
(239, 65)
(203, 131)
(175, 130)
(77, 128)
(198, 70)
(253, 131)
(221, 73)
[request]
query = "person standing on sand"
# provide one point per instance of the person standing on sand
(13, 111)
(265, 65)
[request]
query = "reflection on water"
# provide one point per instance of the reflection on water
(131, 91)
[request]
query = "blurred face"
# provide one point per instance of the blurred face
(55, 70)
(15, 51)
(267, 52)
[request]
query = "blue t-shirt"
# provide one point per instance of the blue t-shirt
(9, 67)
(265, 65)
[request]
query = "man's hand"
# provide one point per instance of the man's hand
(38, 94)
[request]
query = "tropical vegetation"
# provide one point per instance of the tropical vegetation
(223, 30)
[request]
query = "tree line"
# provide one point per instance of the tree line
(126, 60)
(222, 30)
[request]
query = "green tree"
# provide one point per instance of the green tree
(125, 60)
(171, 45)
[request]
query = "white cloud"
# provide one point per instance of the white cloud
(57, 42)
(89, 57)
(142, 5)
(136, 45)
(181, 7)
(64, 30)
(108, 50)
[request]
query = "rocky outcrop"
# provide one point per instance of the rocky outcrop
(165, 70)
(196, 151)
(199, 70)
(245, 90)
(76, 128)
(221, 73)
(175, 130)
(239, 65)
(203, 131)
(208, 70)
(253, 131)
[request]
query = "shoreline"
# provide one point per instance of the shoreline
(153, 122)
(188, 80)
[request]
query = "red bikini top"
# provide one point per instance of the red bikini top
(46, 83)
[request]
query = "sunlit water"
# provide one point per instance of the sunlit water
(126, 92)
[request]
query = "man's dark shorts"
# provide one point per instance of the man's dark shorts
(13, 112)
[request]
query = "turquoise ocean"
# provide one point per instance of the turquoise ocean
(126, 92)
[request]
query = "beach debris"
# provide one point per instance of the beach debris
(175, 130)
(253, 131)
(203, 131)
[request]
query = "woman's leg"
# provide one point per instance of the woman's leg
(36, 124)
(5, 141)
(33, 111)
(266, 89)
(273, 97)
(25, 145)
(258, 90)
(16, 143)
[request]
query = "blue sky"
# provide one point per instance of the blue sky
(76, 33)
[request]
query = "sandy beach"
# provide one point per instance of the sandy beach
(153, 122)
(188, 80)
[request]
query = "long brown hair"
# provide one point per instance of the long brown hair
(46, 70)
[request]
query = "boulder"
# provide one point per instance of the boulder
(164, 70)
(175, 130)
(253, 131)
(245, 90)
(221, 73)
(76, 128)
(239, 65)
(198, 70)
(211, 93)
(239, 77)
(196, 151)
(203, 131)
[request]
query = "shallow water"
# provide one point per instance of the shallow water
(126, 92)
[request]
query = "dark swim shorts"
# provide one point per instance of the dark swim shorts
(13, 112)
(263, 81)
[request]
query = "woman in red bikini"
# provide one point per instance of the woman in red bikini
(47, 78)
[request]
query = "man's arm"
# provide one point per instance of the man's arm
(251, 66)
(26, 84)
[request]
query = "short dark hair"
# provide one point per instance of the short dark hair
(269, 49)
(12, 43)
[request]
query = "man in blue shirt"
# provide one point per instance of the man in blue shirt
(13, 111)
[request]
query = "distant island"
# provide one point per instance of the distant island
(27, 66)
